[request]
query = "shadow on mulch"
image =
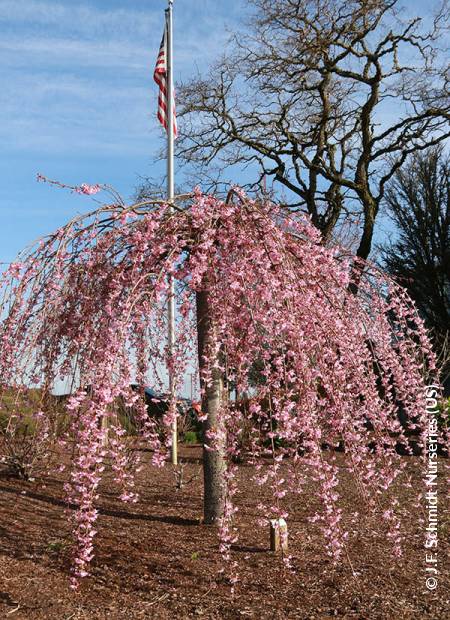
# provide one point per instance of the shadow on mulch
(243, 549)
(121, 514)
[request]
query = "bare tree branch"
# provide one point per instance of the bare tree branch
(328, 98)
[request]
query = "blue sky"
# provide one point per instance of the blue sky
(78, 100)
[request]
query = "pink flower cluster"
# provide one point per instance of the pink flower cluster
(84, 188)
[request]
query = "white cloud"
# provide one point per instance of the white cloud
(61, 52)
(199, 28)
(75, 17)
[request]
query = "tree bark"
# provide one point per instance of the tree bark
(213, 451)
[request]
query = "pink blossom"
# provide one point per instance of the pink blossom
(84, 188)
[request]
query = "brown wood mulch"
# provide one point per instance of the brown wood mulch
(155, 560)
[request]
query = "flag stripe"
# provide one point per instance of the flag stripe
(160, 77)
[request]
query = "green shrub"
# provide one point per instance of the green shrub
(191, 437)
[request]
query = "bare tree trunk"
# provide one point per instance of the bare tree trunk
(213, 457)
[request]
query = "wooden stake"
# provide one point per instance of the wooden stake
(105, 429)
(278, 535)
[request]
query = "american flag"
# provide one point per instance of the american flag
(160, 77)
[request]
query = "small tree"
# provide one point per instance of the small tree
(253, 283)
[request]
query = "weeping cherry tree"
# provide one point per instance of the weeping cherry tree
(254, 285)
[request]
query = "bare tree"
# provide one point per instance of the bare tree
(325, 97)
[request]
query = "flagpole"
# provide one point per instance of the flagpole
(170, 195)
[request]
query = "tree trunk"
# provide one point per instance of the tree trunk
(365, 245)
(213, 457)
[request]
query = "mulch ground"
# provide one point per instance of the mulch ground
(155, 560)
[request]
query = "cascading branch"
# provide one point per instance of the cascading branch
(323, 365)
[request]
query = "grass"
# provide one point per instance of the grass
(190, 437)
